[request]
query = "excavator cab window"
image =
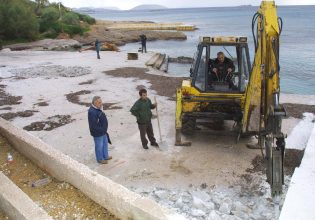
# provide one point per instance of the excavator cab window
(244, 68)
(206, 80)
(200, 69)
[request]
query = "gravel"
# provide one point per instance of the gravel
(51, 71)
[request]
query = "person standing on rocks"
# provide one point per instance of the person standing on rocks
(143, 39)
(98, 125)
(97, 48)
(142, 110)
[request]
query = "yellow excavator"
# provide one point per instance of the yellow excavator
(250, 97)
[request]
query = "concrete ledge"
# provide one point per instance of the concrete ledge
(300, 199)
(16, 204)
(120, 201)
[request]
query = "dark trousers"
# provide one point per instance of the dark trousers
(144, 47)
(146, 129)
(221, 78)
(98, 54)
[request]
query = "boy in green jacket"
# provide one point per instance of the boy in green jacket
(142, 110)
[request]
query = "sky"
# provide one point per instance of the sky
(128, 4)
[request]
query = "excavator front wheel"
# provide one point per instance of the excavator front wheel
(188, 125)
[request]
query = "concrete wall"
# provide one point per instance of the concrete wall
(17, 204)
(300, 200)
(117, 199)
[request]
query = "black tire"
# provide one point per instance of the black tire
(188, 126)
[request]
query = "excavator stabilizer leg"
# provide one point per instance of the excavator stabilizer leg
(179, 142)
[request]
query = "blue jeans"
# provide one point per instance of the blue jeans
(101, 148)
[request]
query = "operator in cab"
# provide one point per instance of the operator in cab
(221, 69)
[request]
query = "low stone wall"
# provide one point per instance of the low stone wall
(114, 197)
(16, 204)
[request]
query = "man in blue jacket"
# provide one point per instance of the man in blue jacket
(98, 125)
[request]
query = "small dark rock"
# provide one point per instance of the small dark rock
(203, 185)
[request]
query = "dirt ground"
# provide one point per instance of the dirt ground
(74, 97)
(42, 104)
(297, 110)
(7, 99)
(292, 159)
(3, 216)
(52, 122)
(59, 199)
(12, 115)
(163, 85)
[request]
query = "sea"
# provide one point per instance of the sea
(297, 41)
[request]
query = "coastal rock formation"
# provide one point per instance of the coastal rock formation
(47, 44)
(119, 37)
(181, 59)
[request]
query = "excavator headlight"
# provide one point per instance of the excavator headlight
(225, 39)
(206, 39)
(243, 39)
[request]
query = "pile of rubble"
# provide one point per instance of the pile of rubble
(241, 201)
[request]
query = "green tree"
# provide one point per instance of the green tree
(49, 19)
(17, 20)
(39, 5)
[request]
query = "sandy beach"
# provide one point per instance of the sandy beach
(50, 93)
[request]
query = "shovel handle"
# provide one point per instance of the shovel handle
(158, 118)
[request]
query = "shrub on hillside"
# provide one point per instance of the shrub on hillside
(87, 19)
(73, 29)
(71, 18)
(50, 33)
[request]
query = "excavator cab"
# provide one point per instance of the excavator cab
(207, 97)
(236, 50)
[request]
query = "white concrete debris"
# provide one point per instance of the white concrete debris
(161, 194)
(225, 208)
(214, 215)
(197, 213)
(221, 202)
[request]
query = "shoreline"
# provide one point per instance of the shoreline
(112, 33)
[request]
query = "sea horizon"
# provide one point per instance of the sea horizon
(235, 6)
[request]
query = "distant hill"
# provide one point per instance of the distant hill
(93, 10)
(148, 7)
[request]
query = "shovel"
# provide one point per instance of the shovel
(163, 145)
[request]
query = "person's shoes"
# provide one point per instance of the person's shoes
(154, 144)
(109, 158)
(103, 161)
(145, 147)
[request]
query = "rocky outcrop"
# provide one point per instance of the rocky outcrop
(103, 33)
(47, 44)
(181, 59)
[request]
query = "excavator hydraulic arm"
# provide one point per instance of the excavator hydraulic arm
(262, 112)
